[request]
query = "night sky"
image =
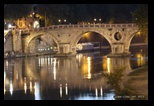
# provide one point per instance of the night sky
(74, 13)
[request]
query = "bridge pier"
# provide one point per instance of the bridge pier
(17, 43)
(117, 50)
(65, 50)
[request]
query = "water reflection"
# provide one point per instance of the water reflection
(73, 78)
(37, 91)
(139, 58)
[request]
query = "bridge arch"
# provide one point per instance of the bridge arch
(32, 38)
(79, 36)
(50, 35)
(129, 39)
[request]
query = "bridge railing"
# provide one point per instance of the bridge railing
(78, 26)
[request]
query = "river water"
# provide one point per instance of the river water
(73, 78)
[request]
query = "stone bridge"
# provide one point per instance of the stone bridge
(66, 37)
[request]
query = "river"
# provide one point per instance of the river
(73, 78)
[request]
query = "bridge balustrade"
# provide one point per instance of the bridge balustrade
(78, 26)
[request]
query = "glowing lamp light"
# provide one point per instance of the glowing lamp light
(9, 26)
(36, 24)
(59, 20)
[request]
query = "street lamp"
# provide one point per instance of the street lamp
(95, 19)
(100, 20)
(9, 26)
(59, 20)
(36, 24)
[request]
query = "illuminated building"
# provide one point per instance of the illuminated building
(28, 22)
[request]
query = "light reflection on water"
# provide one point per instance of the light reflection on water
(72, 78)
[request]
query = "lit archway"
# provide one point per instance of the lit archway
(100, 34)
(31, 45)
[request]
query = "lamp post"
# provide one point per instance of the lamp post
(64, 21)
(9, 26)
(45, 19)
(99, 20)
(59, 21)
(95, 20)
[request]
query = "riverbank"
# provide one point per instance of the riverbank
(30, 55)
(137, 82)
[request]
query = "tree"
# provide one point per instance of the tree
(140, 17)
(114, 79)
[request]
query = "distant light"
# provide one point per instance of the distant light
(99, 19)
(4, 81)
(94, 19)
(61, 91)
(59, 20)
(139, 33)
(108, 65)
(36, 24)
(64, 20)
(66, 88)
(96, 92)
(9, 26)
(37, 91)
(11, 88)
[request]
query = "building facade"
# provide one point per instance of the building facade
(28, 22)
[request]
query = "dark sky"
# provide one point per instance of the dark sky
(74, 12)
(83, 12)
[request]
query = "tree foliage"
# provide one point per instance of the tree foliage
(115, 78)
(140, 17)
